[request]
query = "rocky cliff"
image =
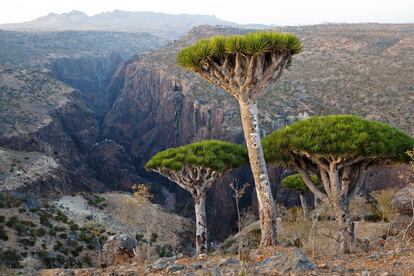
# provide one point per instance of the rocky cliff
(43, 115)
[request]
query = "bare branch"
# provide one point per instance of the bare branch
(325, 181)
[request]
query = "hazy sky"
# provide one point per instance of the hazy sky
(290, 12)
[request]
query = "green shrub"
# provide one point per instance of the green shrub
(165, 250)
(57, 246)
(40, 232)
(11, 221)
(63, 236)
(10, 258)
(60, 216)
(3, 234)
(154, 237)
(2, 219)
(73, 226)
(27, 242)
(384, 199)
(87, 260)
(139, 237)
(22, 210)
(8, 201)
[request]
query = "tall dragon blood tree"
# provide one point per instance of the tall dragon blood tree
(339, 149)
(196, 167)
(243, 66)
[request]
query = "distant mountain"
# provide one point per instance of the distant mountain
(162, 24)
(36, 49)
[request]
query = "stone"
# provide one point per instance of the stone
(273, 263)
(401, 223)
(402, 201)
(298, 262)
(196, 266)
(229, 262)
(160, 264)
(175, 268)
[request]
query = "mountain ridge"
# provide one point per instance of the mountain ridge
(170, 26)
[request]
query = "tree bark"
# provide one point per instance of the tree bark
(304, 205)
(267, 210)
(201, 223)
(346, 228)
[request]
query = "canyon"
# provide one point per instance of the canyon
(93, 107)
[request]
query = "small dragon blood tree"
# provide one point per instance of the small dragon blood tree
(339, 149)
(196, 167)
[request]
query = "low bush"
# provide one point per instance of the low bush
(384, 199)
(3, 234)
(10, 258)
(40, 232)
(164, 250)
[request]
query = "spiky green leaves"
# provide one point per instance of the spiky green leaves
(295, 182)
(337, 136)
(217, 155)
(254, 43)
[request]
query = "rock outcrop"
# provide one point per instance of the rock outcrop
(403, 222)
(403, 201)
(119, 249)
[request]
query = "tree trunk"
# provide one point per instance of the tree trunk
(201, 223)
(304, 205)
(267, 210)
(346, 228)
(315, 202)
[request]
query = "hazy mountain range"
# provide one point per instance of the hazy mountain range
(162, 24)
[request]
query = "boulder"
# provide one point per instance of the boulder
(401, 223)
(403, 201)
(119, 249)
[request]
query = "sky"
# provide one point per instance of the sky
(290, 12)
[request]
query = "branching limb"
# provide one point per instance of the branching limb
(346, 180)
(301, 168)
(360, 180)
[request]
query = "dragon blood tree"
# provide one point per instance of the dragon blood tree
(339, 149)
(196, 167)
(296, 183)
(243, 66)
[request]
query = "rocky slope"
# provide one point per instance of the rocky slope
(36, 233)
(23, 171)
(39, 113)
